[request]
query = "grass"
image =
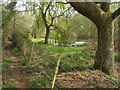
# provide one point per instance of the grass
(71, 55)
(113, 80)
(8, 85)
(78, 61)
(57, 49)
(32, 70)
(33, 83)
(37, 82)
(44, 81)
(15, 50)
(73, 58)
(6, 67)
(24, 61)
(9, 61)
(61, 49)
(96, 84)
(36, 40)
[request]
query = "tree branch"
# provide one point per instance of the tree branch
(52, 18)
(58, 27)
(61, 14)
(88, 9)
(11, 5)
(43, 16)
(105, 6)
(116, 13)
(48, 7)
(63, 2)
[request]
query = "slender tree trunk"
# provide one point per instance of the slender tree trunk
(105, 50)
(14, 42)
(47, 36)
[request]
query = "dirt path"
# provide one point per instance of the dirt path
(18, 76)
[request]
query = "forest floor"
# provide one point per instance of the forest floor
(87, 79)
(14, 75)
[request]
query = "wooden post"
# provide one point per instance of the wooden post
(56, 70)
(31, 54)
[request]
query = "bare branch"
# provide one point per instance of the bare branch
(60, 28)
(48, 7)
(52, 18)
(51, 22)
(62, 13)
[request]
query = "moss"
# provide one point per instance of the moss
(108, 71)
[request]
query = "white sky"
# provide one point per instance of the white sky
(115, 0)
(20, 7)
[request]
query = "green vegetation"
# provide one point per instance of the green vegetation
(113, 80)
(24, 62)
(78, 61)
(8, 86)
(96, 84)
(33, 83)
(73, 58)
(117, 58)
(78, 33)
(6, 67)
(15, 50)
(61, 49)
(44, 81)
(32, 70)
(8, 61)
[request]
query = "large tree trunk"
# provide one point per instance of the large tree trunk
(105, 51)
(103, 20)
(47, 36)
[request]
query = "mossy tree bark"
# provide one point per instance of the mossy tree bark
(47, 36)
(105, 51)
(103, 19)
